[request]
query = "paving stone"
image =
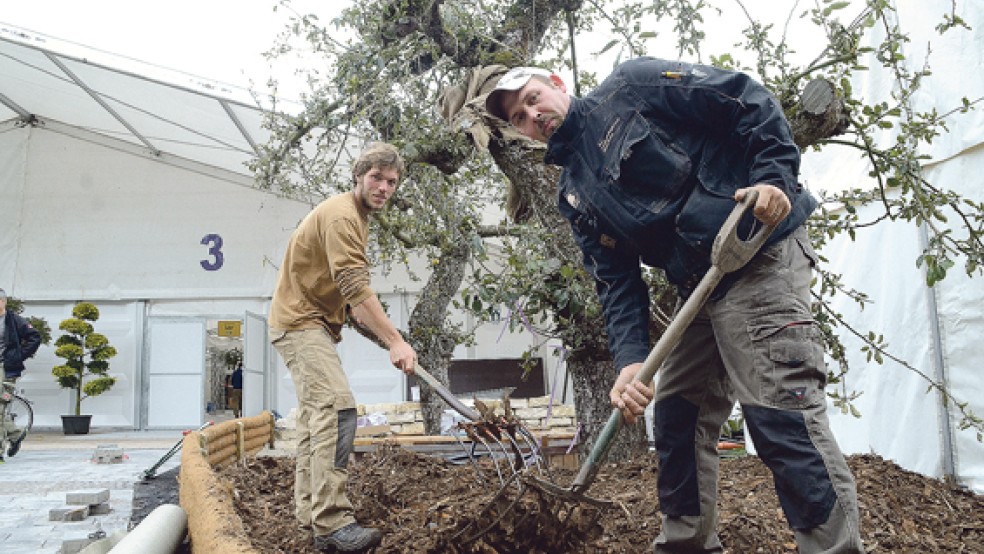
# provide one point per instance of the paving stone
(68, 513)
(50, 465)
(108, 454)
(75, 545)
(87, 497)
(100, 509)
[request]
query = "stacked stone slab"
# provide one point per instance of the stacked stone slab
(108, 454)
(79, 506)
(538, 414)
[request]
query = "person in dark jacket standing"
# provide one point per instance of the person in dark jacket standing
(654, 160)
(18, 342)
(234, 390)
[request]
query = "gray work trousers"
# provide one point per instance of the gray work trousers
(760, 346)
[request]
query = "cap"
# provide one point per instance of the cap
(514, 79)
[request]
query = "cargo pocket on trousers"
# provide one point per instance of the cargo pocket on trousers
(789, 363)
(803, 241)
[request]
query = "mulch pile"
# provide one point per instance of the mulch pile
(425, 504)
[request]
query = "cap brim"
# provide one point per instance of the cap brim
(493, 103)
(513, 80)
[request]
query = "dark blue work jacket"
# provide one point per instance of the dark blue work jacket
(21, 340)
(651, 161)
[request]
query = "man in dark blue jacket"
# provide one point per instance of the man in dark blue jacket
(18, 342)
(654, 160)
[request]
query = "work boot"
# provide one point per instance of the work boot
(351, 538)
(14, 447)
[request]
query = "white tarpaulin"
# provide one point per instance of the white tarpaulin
(104, 220)
(935, 331)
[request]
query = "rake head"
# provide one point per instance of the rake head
(529, 512)
(532, 515)
(505, 443)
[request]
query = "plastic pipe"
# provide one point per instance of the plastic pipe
(161, 532)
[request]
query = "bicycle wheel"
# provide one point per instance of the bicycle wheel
(18, 418)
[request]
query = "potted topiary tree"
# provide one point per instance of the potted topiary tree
(86, 355)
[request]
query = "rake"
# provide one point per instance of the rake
(501, 438)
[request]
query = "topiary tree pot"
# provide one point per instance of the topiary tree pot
(76, 424)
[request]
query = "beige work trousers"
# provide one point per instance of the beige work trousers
(326, 422)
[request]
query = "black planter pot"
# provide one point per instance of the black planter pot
(76, 424)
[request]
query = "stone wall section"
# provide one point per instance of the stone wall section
(406, 418)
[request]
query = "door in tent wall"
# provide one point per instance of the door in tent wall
(175, 372)
(256, 349)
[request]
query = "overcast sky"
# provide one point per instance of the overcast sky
(223, 40)
(220, 40)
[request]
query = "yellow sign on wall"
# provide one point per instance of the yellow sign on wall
(230, 328)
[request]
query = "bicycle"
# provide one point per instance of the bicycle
(16, 419)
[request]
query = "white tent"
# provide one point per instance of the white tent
(133, 193)
(934, 331)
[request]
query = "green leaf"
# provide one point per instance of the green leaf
(609, 46)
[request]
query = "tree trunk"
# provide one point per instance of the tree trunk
(819, 115)
(434, 342)
(533, 199)
(592, 381)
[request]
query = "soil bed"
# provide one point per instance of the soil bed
(425, 504)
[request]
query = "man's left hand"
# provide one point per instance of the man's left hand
(630, 396)
(772, 205)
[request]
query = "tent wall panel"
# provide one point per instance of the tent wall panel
(13, 157)
(109, 223)
(900, 419)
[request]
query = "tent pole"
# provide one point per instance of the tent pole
(939, 368)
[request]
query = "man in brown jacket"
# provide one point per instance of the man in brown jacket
(324, 275)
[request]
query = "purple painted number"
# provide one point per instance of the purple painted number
(214, 250)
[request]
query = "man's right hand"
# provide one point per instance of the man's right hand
(630, 396)
(772, 204)
(403, 356)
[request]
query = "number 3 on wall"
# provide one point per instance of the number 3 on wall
(215, 250)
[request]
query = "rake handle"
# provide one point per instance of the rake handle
(728, 254)
(445, 394)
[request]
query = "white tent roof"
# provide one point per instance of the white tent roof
(206, 122)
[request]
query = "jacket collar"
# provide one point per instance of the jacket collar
(559, 147)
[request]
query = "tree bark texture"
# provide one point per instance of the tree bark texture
(820, 114)
(592, 379)
(433, 342)
(589, 362)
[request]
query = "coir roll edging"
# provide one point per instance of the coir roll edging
(213, 525)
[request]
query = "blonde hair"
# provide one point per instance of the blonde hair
(379, 155)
